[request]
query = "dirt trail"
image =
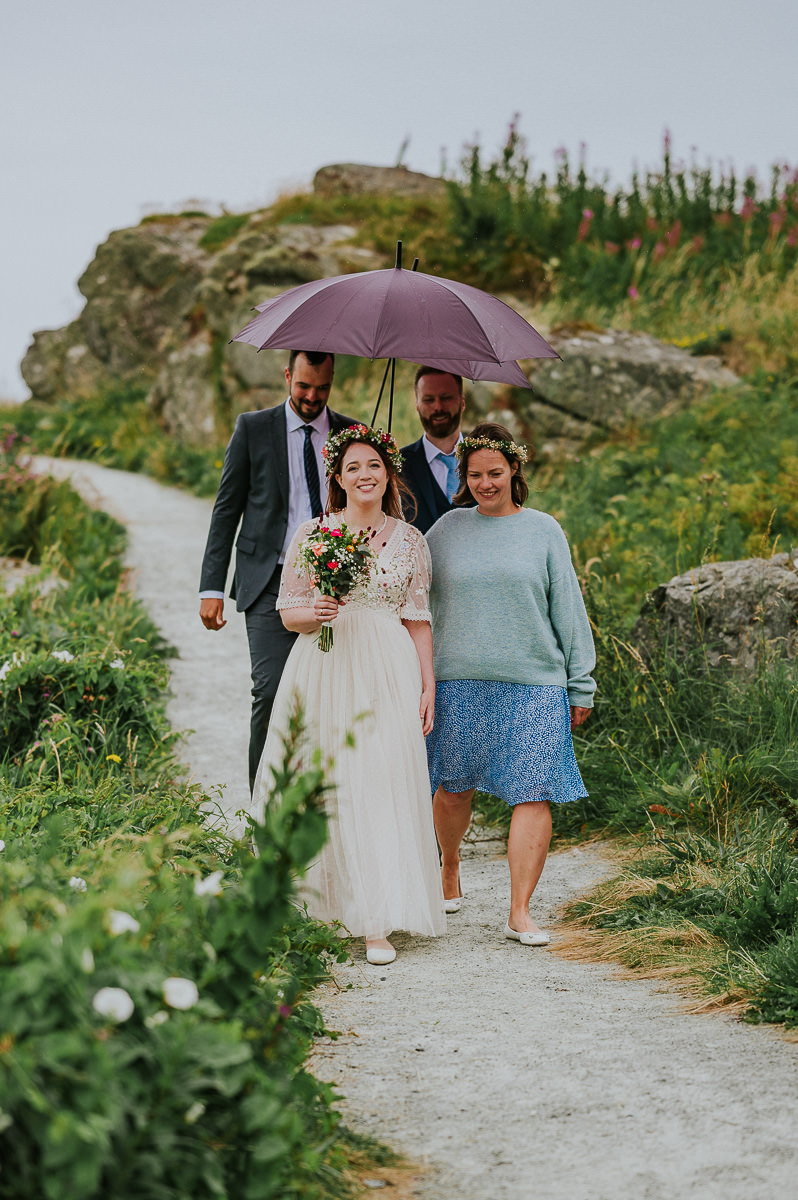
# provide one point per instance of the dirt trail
(508, 1073)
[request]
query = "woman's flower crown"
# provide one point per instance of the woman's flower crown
(361, 433)
(484, 443)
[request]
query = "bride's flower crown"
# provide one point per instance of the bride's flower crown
(483, 443)
(361, 433)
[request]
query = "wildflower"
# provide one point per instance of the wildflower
(87, 960)
(15, 633)
(155, 1019)
(112, 758)
(120, 922)
(180, 993)
(633, 293)
(284, 1010)
(63, 656)
(2, 845)
(77, 884)
(211, 885)
(635, 243)
(194, 1113)
(114, 1003)
(117, 664)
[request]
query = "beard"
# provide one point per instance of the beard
(440, 425)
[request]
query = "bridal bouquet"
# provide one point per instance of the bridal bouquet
(335, 560)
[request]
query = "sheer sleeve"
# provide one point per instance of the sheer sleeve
(296, 590)
(416, 605)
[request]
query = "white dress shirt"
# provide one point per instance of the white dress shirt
(298, 499)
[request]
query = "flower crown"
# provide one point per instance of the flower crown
(484, 443)
(361, 433)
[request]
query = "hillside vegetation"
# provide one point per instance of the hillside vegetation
(692, 772)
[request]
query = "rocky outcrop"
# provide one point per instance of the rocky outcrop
(738, 613)
(358, 179)
(607, 378)
(162, 302)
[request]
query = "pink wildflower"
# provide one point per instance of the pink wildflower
(633, 293)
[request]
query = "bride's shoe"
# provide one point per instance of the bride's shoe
(380, 955)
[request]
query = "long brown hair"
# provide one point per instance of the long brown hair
(492, 431)
(392, 496)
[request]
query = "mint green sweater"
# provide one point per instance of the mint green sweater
(506, 603)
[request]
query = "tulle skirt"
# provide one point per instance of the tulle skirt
(379, 869)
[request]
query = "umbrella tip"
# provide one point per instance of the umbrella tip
(398, 256)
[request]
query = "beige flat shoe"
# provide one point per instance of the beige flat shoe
(541, 938)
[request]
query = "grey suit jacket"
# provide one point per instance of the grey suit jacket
(253, 490)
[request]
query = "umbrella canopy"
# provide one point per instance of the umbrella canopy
(396, 313)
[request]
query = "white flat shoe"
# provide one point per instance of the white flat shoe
(380, 956)
(541, 938)
(454, 905)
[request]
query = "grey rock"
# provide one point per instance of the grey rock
(358, 179)
(741, 613)
(161, 309)
(185, 395)
(607, 378)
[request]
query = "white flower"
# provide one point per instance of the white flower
(2, 845)
(63, 656)
(114, 1003)
(180, 993)
(77, 884)
(156, 1018)
(87, 960)
(118, 664)
(210, 885)
(120, 922)
(194, 1113)
(16, 660)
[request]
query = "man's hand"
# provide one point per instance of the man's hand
(212, 612)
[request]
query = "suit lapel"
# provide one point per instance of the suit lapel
(279, 434)
(425, 479)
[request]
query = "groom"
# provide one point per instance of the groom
(272, 480)
(430, 469)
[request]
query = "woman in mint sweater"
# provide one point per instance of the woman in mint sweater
(513, 661)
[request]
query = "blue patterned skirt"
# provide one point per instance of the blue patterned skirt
(512, 740)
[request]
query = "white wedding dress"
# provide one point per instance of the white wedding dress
(379, 869)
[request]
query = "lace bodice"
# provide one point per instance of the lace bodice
(399, 580)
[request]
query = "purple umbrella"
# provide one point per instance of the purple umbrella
(401, 314)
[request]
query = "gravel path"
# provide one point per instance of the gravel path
(507, 1073)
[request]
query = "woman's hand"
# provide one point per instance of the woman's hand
(325, 609)
(578, 715)
(426, 710)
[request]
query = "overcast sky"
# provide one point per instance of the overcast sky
(109, 110)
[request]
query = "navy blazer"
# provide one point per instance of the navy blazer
(253, 489)
(431, 500)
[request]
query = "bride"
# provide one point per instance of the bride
(379, 868)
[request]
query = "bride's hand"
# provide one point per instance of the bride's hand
(426, 711)
(325, 609)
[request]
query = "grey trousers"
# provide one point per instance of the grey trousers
(269, 646)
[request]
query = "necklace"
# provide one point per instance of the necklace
(371, 532)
